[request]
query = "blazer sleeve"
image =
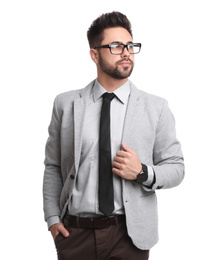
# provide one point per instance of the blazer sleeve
(52, 182)
(167, 155)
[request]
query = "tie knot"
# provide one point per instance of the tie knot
(109, 96)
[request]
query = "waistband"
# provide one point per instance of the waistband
(93, 223)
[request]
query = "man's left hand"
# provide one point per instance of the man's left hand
(126, 163)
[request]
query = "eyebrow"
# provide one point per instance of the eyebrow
(117, 42)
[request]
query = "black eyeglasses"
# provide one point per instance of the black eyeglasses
(117, 48)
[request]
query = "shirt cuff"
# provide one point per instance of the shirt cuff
(52, 221)
(150, 179)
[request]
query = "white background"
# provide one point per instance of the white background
(44, 51)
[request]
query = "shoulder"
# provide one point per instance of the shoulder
(148, 100)
(151, 97)
(69, 97)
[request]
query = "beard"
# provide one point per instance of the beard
(114, 71)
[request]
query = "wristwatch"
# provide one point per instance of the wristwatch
(143, 175)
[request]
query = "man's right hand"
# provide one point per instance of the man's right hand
(58, 228)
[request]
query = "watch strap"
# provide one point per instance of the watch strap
(143, 175)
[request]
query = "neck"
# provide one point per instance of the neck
(109, 83)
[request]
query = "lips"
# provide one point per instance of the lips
(125, 62)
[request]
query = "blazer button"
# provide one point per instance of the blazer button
(72, 176)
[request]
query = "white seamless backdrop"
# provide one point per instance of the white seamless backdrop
(44, 51)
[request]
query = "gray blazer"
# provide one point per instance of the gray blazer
(149, 130)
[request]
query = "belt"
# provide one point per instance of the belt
(93, 223)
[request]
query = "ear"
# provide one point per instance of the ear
(94, 55)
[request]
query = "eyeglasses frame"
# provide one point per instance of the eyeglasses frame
(120, 43)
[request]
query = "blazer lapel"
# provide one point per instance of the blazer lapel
(79, 108)
(130, 119)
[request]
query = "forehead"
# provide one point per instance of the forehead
(117, 34)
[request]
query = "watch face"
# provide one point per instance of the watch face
(142, 177)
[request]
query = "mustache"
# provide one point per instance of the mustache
(125, 59)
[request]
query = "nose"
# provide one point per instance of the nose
(125, 52)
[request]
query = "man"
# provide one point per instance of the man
(107, 154)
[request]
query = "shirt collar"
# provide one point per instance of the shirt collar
(121, 93)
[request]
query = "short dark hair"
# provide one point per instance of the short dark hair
(108, 20)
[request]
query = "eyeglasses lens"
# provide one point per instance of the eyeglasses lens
(119, 48)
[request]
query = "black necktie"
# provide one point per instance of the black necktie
(106, 198)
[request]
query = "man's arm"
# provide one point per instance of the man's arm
(52, 183)
(167, 155)
(168, 167)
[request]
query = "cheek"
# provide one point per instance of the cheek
(108, 58)
(113, 59)
(132, 58)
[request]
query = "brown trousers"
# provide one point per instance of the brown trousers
(112, 243)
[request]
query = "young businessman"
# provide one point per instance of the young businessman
(110, 147)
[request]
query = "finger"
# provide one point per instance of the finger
(117, 165)
(121, 153)
(117, 171)
(118, 159)
(64, 231)
(125, 147)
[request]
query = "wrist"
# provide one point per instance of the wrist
(143, 175)
(138, 171)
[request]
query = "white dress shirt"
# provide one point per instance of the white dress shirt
(84, 202)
